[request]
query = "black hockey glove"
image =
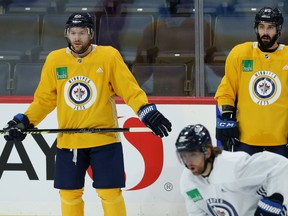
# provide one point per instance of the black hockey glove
(271, 206)
(13, 129)
(227, 131)
(153, 119)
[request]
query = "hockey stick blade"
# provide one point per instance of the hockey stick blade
(83, 130)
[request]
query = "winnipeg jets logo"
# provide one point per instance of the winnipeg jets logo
(220, 207)
(264, 87)
(80, 92)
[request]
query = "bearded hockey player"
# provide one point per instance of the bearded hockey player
(218, 182)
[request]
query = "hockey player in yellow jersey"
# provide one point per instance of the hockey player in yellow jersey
(252, 96)
(82, 81)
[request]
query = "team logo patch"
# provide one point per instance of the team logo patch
(220, 207)
(80, 92)
(264, 88)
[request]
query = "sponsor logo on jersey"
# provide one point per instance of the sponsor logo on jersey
(195, 195)
(220, 207)
(264, 88)
(61, 73)
(247, 65)
(80, 92)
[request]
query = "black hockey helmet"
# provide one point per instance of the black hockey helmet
(267, 14)
(193, 138)
(80, 20)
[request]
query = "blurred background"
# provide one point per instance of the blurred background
(173, 47)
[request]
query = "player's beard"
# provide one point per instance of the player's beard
(266, 45)
(200, 169)
(81, 51)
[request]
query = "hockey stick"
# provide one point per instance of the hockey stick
(231, 143)
(83, 130)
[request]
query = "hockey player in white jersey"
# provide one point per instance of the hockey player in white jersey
(221, 183)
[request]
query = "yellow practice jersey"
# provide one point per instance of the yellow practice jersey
(83, 90)
(259, 81)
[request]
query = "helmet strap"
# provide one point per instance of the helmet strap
(206, 162)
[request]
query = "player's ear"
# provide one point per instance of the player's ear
(208, 153)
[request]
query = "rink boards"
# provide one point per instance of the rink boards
(151, 165)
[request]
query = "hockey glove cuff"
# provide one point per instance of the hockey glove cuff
(271, 206)
(227, 131)
(153, 119)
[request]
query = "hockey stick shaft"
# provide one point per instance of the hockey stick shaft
(83, 130)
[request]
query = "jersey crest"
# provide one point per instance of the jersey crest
(80, 92)
(220, 207)
(264, 88)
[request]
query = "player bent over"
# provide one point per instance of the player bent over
(82, 81)
(218, 182)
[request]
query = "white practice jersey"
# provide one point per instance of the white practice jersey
(235, 185)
